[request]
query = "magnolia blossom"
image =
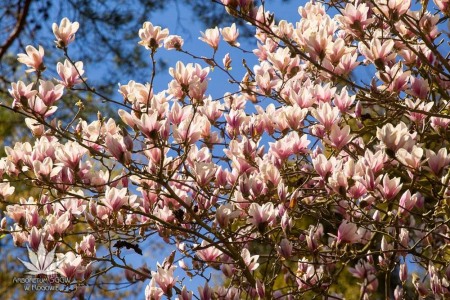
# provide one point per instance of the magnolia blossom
(21, 93)
(396, 137)
(50, 93)
(250, 261)
(153, 292)
(438, 161)
(348, 233)
(173, 42)
(69, 73)
(261, 215)
(391, 187)
(208, 253)
(152, 36)
(230, 35)
(393, 9)
(165, 279)
(6, 189)
(71, 266)
(33, 59)
(87, 246)
(115, 198)
(65, 32)
(355, 18)
(212, 37)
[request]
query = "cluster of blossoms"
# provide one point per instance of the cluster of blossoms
(327, 177)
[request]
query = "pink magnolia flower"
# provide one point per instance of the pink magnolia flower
(316, 43)
(419, 88)
(86, 246)
(379, 51)
(437, 162)
(208, 254)
(19, 236)
(338, 182)
(227, 61)
(115, 198)
(148, 124)
(33, 218)
(262, 215)
(21, 93)
(362, 269)
(70, 154)
(339, 137)
(347, 64)
(285, 29)
(403, 273)
(323, 166)
(188, 132)
(285, 248)
(152, 36)
(310, 274)
(354, 18)
(204, 172)
(153, 292)
(205, 292)
(35, 238)
(282, 61)
(270, 173)
(6, 190)
(65, 32)
(391, 187)
(49, 93)
(335, 51)
(348, 233)
(70, 74)
(230, 35)
(397, 137)
(165, 279)
(343, 101)
(33, 59)
(212, 109)
(37, 106)
(211, 37)
(393, 9)
(43, 169)
(71, 266)
(314, 236)
(250, 261)
(56, 226)
(17, 212)
(326, 115)
(410, 158)
(418, 105)
(185, 295)
(407, 202)
(173, 42)
(395, 79)
(438, 123)
(225, 214)
(118, 149)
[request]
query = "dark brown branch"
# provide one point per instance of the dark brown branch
(20, 24)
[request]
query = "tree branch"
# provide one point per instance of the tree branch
(20, 24)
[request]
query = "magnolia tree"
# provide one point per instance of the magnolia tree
(301, 176)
